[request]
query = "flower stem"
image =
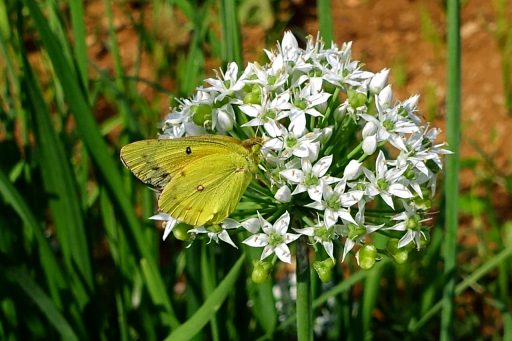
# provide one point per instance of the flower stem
(304, 301)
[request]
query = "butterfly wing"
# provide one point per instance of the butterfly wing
(156, 162)
(208, 189)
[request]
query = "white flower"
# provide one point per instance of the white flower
(378, 81)
(311, 178)
(304, 103)
(334, 203)
(269, 112)
(385, 181)
(289, 144)
(227, 83)
(356, 232)
(323, 232)
(385, 97)
(283, 194)
(274, 238)
(409, 221)
(352, 170)
(216, 232)
(391, 125)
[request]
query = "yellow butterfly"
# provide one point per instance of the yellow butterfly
(201, 178)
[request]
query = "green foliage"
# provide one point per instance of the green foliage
(504, 39)
(78, 257)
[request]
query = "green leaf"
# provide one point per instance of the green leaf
(42, 301)
(193, 325)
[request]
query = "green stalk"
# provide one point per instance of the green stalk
(452, 167)
(304, 302)
(324, 13)
(231, 48)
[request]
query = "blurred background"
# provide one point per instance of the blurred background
(80, 260)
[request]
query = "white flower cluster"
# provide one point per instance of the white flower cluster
(340, 156)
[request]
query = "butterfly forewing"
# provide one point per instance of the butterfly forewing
(156, 162)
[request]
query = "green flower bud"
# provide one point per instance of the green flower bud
(366, 256)
(260, 271)
(180, 231)
(201, 114)
(221, 103)
(356, 99)
(253, 96)
(324, 269)
(400, 255)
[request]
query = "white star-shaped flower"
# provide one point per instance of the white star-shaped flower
(385, 182)
(356, 233)
(323, 232)
(274, 238)
(409, 221)
(311, 178)
(335, 202)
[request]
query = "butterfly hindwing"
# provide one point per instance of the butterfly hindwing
(208, 189)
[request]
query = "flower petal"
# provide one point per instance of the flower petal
(293, 175)
(224, 236)
(257, 240)
(283, 253)
(281, 224)
(252, 225)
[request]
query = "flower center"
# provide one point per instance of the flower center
(301, 104)
(311, 180)
(275, 239)
(409, 173)
(355, 231)
(388, 124)
(333, 202)
(323, 233)
(291, 141)
(268, 116)
(413, 223)
(382, 184)
(402, 112)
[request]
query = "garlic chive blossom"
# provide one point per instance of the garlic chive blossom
(338, 150)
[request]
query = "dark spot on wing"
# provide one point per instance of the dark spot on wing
(188, 150)
(182, 173)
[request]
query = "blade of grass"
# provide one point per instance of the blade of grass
(452, 166)
(466, 283)
(43, 302)
(51, 269)
(80, 48)
(231, 49)
(98, 150)
(324, 13)
(193, 325)
(58, 180)
(208, 283)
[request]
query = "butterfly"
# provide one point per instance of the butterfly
(201, 178)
